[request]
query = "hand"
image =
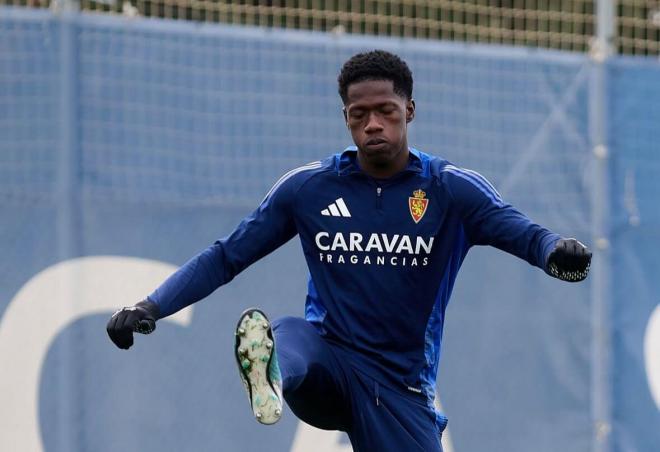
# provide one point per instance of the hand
(569, 261)
(140, 318)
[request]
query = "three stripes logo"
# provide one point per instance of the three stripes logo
(337, 209)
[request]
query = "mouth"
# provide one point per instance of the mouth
(375, 143)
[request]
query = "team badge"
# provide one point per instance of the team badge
(417, 205)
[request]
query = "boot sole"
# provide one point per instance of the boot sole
(254, 350)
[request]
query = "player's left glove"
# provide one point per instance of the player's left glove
(140, 318)
(569, 261)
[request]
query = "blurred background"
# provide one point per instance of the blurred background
(133, 134)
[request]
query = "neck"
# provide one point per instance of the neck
(384, 170)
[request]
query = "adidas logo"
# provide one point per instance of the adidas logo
(337, 209)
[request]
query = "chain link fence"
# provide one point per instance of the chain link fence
(638, 30)
(556, 24)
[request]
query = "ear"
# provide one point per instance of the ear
(410, 110)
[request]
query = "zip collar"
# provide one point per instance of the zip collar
(348, 163)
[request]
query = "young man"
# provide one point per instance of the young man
(384, 229)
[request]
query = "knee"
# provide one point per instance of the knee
(294, 331)
(288, 323)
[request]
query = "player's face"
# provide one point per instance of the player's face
(378, 120)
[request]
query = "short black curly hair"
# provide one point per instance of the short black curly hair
(376, 65)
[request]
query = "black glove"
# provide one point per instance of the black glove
(140, 318)
(569, 261)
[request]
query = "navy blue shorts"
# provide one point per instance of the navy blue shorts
(330, 394)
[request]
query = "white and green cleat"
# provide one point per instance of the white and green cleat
(257, 365)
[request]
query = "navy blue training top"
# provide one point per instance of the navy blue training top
(383, 255)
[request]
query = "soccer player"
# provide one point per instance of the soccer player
(384, 229)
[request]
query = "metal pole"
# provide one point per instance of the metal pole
(68, 222)
(601, 303)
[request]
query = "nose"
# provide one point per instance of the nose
(373, 124)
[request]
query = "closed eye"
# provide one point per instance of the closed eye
(356, 114)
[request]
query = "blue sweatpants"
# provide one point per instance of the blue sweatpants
(328, 393)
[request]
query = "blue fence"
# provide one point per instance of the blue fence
(149, 139)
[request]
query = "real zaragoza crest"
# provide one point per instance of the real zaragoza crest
(417, 205)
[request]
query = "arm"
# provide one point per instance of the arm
(488, 220)
(266, 229)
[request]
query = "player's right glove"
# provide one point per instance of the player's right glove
(569, 261)
(140, 318)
